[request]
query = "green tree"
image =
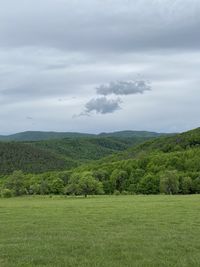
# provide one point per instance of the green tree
(196, 186)
(16, 183)
(149, 184)
(44, 187)
(118, 180)
(186, 185)
(84, 184)
(34, 189)
(101, 175)
(169, 182)
(56, 186)
(65, 176)
(135, 176)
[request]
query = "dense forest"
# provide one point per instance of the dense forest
(61, 154)
(166, 164)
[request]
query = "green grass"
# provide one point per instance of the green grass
(100, 231)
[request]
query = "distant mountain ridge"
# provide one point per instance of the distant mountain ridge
(102, 152)
(130, 134)
(165, 144)
(36, 152)
(40, 135)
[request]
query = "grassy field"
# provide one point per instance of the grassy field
(100, 231)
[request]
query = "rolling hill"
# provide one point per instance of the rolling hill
(59, 154)
(180, 152)
(165, 144)
(86, 149)
(39, 135)
(138, 169)
(30, 159)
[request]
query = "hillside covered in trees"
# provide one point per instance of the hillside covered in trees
(162, 165)
(62, 154)
(140, 169)
(30, 159)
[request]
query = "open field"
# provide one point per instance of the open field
(100, 231)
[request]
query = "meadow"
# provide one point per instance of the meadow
(100, 231)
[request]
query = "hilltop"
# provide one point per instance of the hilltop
(40, 135)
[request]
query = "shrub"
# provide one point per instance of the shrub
(6, 193)
(125, 192)
(116, 193)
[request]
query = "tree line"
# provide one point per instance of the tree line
(174, 173)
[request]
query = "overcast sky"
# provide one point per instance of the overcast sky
(99, 65)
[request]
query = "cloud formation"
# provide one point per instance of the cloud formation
(124, 88)
(102, 105)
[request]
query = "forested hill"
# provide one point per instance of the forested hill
(59, 154)
(29, 159)
(161, 165)
(165, 164)
(38, 135)
(166, 144)
(86, 149)
(180, 152)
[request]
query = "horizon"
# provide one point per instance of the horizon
(92, 133)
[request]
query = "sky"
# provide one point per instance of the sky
(99, 65)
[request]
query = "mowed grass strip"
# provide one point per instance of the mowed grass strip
(100, 231)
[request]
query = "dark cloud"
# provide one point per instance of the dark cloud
(124, 88)
(102, 105)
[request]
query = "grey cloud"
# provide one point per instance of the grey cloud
(76, 45)
(131, 26)
(124, 88)
(102, 105)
